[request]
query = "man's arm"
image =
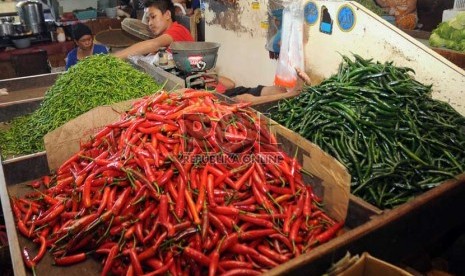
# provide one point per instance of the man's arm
(266, 98)
(145, 47)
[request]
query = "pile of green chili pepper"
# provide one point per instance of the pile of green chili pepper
(383, 126)
(97, 80)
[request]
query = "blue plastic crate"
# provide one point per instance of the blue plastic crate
(389, 18)
(86, 14)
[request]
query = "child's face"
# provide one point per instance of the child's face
(158, 21)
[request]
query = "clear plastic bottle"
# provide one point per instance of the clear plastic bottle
(162, 57)
(61, 37)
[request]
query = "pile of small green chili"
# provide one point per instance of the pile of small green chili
(94, 81)
(382, 124)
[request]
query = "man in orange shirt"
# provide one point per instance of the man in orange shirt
(164, 27)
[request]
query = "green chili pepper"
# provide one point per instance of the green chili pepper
(383, 125)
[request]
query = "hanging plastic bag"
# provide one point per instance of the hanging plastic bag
(291, 54)
(275, 19)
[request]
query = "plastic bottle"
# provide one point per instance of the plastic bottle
(61, 37)
(163, 57)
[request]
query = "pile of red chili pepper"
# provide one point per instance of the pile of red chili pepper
(183, 184)
(3, 236)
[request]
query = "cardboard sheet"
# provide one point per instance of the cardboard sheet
(63, 142)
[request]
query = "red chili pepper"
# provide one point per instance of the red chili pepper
(231, 264)
(307, 209)
(172, 190)
(56, 210)
(228, 242)
(163, 179)
(48, 199)
(197, 256)
(217, 223)
(262, 200)
(282, 239)
(295, 230)
(182, 225)
(35, 184)
(27, 259)
(153, 263)
(119, 203)
(135, 262)
(205, 223)
(181, 200)
(46, 181)
(243, 249)
(163, 213)
(283, 198)
(270, 253)
(109, 260)
(42, 250)
(210, 190)
(162, 269)
(16, 211)
(225, 210)
(189, 109)
(152, 250)
(227, 221)
(130, 271)
(255, 234)
(264, 260)
(260, 184)
(73, 158)
(129, 232)
(111, 198)
(86, 193)
(257, 221)
(191, 205)
(82, 243)
(23, 229)
(244, 177)
(70, 260)
(329, 233)
(147, 169)
(214, 258)
(62, 184)
(151, 210)
(246, 208)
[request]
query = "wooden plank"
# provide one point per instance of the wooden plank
(457, 58)
(13, 241)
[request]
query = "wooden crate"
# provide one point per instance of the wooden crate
(25, 94)
(456, 57)
(325, 171)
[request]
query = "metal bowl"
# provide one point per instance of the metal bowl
(194, 56)
(22, 43)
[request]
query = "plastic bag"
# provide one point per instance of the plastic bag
(275, 19)
(291, 54)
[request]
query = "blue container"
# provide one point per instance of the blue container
(86, 14)
(389, 18)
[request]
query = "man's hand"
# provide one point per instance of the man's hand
(303, 76)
